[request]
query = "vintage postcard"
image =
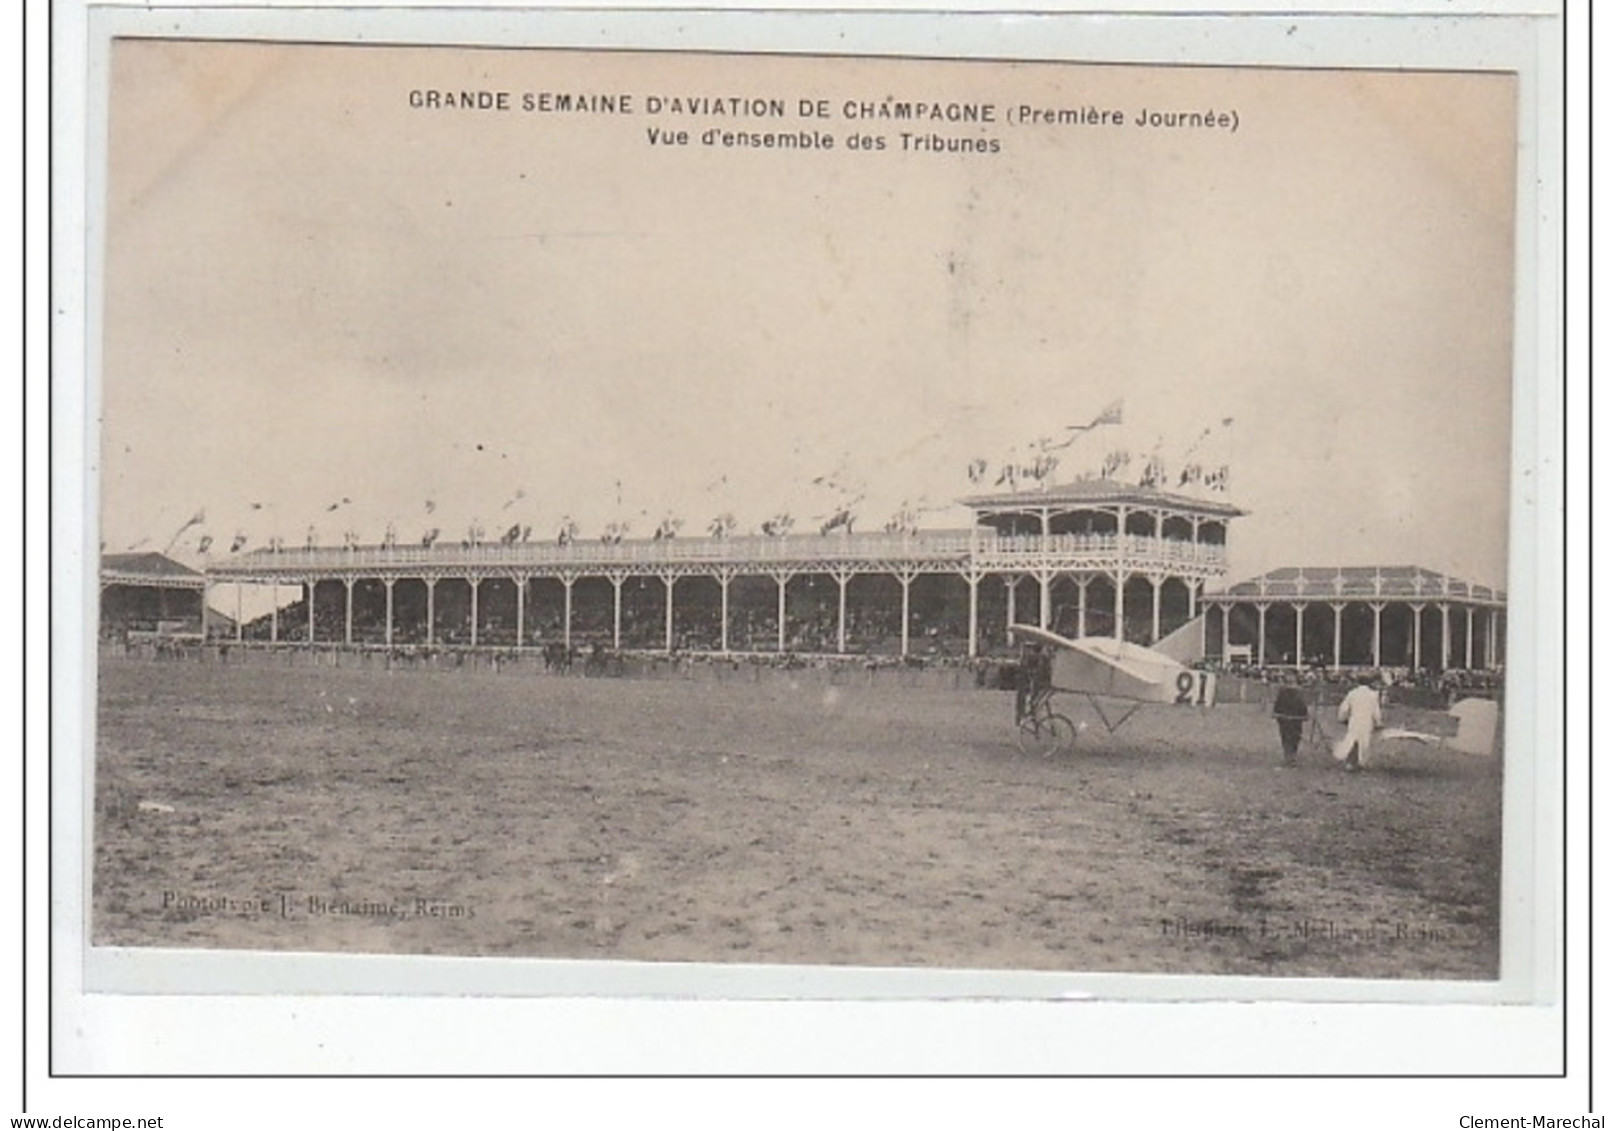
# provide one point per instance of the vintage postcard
(832, 511)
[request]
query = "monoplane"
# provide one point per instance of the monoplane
(1103, 670)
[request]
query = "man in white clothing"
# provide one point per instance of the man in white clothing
(1360, 712)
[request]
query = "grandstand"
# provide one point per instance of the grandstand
(1093, 557)
(151, 593)
(1370, 616)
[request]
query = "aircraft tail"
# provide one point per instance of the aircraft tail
(1186, 645)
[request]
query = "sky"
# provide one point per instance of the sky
(326, 307)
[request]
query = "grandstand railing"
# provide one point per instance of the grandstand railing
(952, 548)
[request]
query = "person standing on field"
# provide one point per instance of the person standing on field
(1290, 709)
(1360, 711)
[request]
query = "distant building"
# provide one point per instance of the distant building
(150, 593)
(1358, 616)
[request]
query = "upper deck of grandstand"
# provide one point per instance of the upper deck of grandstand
(945, 550)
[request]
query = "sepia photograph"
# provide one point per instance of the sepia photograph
(833, 511)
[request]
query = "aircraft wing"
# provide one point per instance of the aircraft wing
(1104, 666)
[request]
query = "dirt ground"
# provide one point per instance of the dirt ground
(789, 820)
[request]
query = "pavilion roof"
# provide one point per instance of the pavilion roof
(149, 566)
(1105, 492)
(1395, 583)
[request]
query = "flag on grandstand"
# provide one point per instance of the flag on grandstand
(1217, 480)
(238, 542)
(614, 533)
(196, 519)
(1190, 474)
(389, 537)
(976, 470)
(668, 528)
(430, 537)
(1115, 463)
(311, 538)
(1110, 414)
(779, 526)
(722, 526)
(841, 520)
(511, 536)
(1154, 473)
(567, 532)
(202, 546)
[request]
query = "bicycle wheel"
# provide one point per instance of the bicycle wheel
(1037, 736)
(1065, 733)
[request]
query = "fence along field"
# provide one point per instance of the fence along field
(784, 817)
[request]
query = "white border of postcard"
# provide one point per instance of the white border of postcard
(106, 999)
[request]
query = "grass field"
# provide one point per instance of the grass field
(788, 820)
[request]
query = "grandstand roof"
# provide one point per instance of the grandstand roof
(150, 568)
(1394, 583)
(1106, 492)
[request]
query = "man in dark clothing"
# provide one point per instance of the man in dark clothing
(1290, 709)
(1031, 679)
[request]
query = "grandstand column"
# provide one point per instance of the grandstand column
(1446, 635)
(843, 577)
(567, 580)
(616, 579)
(780, 578)
(972, 579)
(1155, 607)
(905, 578)
(667, 581)
(431, 606)
(389, 582)
(1379, 608)
(1196, 592)
(1011, 581)
(1340, 610)
(274, 614)
(1261, 634)
(347, 612)
(1469, 638)
(1300, 623)
(312, 584)
(203, 594)
(475, 583)
(1418, 637)
(1044, 578)
(1082, 605)
(521, 607)
(1121, 600)
(238, 612)
(724, 577)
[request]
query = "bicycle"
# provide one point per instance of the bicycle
(1044, 731)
